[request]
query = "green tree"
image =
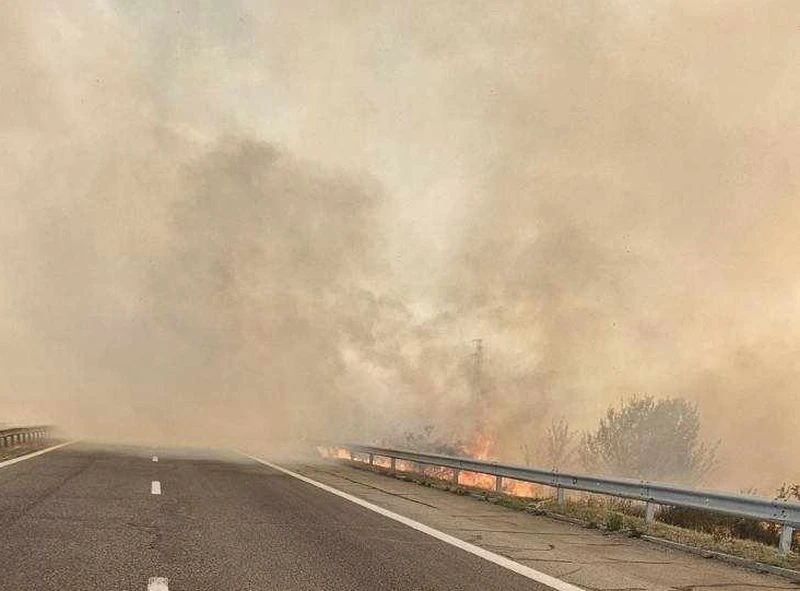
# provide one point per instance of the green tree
(653, 439)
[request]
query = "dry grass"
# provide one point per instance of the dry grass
(618, 515)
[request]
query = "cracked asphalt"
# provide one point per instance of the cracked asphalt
(587, 558)
(84, 517)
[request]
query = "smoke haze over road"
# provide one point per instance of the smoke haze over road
(230, 222)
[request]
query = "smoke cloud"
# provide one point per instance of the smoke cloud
(233, 223)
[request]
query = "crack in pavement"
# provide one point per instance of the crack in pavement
(512, 538)
(533, 533)
(404, 496)
(17, 513)
(626, 561)
(722, 585)
(572, 572)
(514, 549)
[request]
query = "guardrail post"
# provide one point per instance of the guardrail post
(561, 496)
(498, 484)
(649, 512)
(786, 538)
(455, 475)
(393, 464)
(371, 459)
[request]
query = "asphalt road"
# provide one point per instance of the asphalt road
(83, 518)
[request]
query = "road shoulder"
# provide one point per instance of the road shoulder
(584, 557)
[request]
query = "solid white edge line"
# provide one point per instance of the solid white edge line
(34, 454)
(155, 487)
(158, 584)
(497, 559)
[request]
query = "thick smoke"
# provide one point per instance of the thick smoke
(632, 224)
(226, 222)
(164, 286)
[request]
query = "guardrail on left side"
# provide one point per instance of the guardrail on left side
(19, 435)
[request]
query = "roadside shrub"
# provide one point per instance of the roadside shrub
(650, 439)
(426, 439)
(614, 521)
(788, 492)
(555, 448)
(721, 525)
(626, 507)
(558, 445)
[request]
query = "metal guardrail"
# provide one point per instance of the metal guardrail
(18, 435)
(785, 513)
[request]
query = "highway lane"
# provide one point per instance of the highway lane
(85, 517)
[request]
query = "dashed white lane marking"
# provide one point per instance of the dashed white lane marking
(158, 584)
(155, 458)
(155, 488)
(521, 569)
(34, 454)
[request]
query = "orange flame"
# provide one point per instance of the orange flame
(338, 453)
(477, 480)
(518, 488)
(479, 448)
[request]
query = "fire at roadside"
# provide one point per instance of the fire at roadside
(463, 478)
